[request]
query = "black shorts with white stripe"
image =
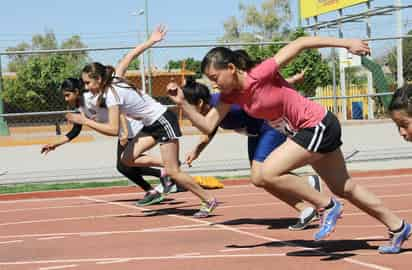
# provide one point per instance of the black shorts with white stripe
(164, 129)
(325, 137)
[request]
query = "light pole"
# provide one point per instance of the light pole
(261, 39)
(149, 73)
(4, 131)
(139, 39)
(399, 49)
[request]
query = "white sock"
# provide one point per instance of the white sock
(306, 212)
(162, 172)
(311, 181)
(159, 188)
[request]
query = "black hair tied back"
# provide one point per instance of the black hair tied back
(72, 85)
(190, 81)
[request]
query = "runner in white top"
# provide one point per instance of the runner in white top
(87, 104)
(160, 125)
(136, 105)
(92, 111)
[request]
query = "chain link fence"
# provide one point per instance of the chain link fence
(351, 87)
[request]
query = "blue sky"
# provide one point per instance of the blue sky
(106, 23)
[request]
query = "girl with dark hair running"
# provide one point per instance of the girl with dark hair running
(262, 140)
(160, 127)
(87, 103)
(314, 134)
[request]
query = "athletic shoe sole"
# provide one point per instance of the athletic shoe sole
(299, 226)
(155, 201)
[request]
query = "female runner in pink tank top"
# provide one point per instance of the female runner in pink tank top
(314, 134)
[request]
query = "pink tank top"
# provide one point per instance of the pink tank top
(267, 95)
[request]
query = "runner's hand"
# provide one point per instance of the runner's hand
(191, 157)
(359, 47)
(175, 93)
(123, 140)
(47, 148)
(158, 34)
(77, 118)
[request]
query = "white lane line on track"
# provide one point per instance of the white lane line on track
(205, 256)
(114, 261)
(198, 227)
(157, 258)
(11, 242)
(58, 267)
(159, 230)
(65, 219)
(154, 258)
(407, 176)
(139, 193)
(88, 234)
(50, 238)
(261, 237)
(233, 249)
(221, 207)
(46, 208)
(376, 237)
(189, 198)
(43, 199)
(188, 254)
(353, 261)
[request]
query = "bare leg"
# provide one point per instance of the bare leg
(169, 153)
(133, 154)
(284, 159)
(257, 180)
(333, 171)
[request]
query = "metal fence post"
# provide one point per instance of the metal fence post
(342, 75)
(4, 130)
(371, 102)
(149, 51)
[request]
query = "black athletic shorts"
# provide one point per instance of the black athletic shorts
(164, 129)
(325, 137)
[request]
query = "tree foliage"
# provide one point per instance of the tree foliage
(391, 59)
(189, 64)
(134, 65)
(317, 71)
(266, 22)
(269, 23)
(38, 77)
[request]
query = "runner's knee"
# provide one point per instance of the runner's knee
(345, 190)
(257, 180)
(172, 172)
(126, 160)
(269, 175)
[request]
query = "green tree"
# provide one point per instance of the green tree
(267, 22)
(36, 87)
(317, 71)
(18, 59)
(391, 59)
(134, 65)
(190, 64)
(38, 77)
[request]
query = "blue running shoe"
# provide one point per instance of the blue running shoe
(328, 220)
(396, 240)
